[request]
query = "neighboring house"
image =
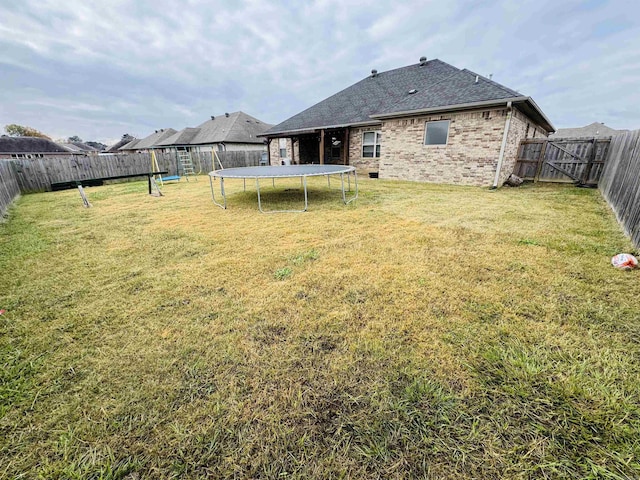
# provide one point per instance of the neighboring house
(29, 147)
(126, 138)
(428, 122)
(147, 143)
(593, 130)
(79, 148)
(231, 131)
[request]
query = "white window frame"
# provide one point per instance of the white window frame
(377, 143)
(426, 126)
(282, 147)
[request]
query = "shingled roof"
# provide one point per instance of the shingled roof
(126, 138)
(29, 145)
(424, 87)
(183, 137)
(149, 141)
(237, 127)
(78, 147)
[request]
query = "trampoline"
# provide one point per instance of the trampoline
(287, 171)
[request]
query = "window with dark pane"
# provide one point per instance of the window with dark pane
(436, 133)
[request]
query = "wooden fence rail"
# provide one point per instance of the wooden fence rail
(9, 188)
(620, 182)
(37, 174)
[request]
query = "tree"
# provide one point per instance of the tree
(75, 138)
(14, 130)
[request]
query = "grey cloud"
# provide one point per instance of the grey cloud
(100, 69)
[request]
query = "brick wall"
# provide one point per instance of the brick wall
(469, 158)
(521, 128)
(274, 150)
(364, 165)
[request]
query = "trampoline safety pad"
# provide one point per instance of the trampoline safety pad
(285, 171)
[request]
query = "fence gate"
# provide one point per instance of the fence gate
(564, 160)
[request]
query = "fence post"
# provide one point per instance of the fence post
(543, 151)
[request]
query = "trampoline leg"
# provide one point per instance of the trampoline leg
(355, 177)
(258, 189)
(224, 194)
(213, 196)
(244, 180)
(306, 201)
(329, 181)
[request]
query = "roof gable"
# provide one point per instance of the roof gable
(151, 140)
(238, 127)
(123, 141)
(183, 137)
(595, 129)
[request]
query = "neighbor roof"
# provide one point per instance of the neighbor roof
(149, 141)
(237, 127)
(29, 145)
(131, 145)
(183, 137)
(126, 139)
(434, 86)
(78, 147)
(593, 130)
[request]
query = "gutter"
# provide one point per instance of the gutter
(507, 124)
(451, 108)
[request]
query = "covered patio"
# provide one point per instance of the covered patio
(318, 146)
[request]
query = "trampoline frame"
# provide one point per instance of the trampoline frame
(289, 171)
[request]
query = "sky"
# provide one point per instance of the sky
(99, 70)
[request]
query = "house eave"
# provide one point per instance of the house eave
(302, 131)
(472, 106)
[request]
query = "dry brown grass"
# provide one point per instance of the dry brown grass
(422, 332)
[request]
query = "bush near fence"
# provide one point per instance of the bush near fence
(620, 182)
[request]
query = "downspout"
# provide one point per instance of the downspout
(507, 123)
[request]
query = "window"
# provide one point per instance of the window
(371, 144)
(436, 133)
(282, 143)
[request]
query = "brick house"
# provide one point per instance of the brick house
(428, 122)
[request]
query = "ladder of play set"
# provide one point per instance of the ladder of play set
(186, 162)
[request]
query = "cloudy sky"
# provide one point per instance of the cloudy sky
(119, 66)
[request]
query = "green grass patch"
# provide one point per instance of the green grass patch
(424, 331)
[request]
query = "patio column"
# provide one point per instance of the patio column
(345, 146)
(268, 151)
(322, 147)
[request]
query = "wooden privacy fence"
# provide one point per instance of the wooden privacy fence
(37, 174)
(620, 182)
(571, 160)
(9, 188)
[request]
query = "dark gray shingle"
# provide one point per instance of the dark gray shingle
(436, 84)
(29, 145)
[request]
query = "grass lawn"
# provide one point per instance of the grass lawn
(424, 331)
